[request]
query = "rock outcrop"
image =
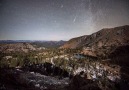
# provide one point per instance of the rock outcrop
(81, 83)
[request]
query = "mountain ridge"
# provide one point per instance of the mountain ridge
(101, 42)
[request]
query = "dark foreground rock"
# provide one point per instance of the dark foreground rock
(16, 79)
(81, 83)
(48, 77)
(10, 79)
(29, 78)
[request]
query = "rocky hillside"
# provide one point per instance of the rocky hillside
(16, 47)
(101, 43)
(74, 42)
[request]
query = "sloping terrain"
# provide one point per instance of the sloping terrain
(102, 42)
(74, 42)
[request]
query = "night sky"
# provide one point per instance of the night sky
(59, 19)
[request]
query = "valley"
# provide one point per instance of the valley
(99, 61)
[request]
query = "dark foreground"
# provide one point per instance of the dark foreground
(48, 77)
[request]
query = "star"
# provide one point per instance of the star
(61, 6)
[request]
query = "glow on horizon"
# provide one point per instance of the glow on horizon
(59, 19)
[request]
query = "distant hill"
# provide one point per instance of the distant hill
(101, 43)
(37, 43)
(15, 41)
(16, 47)
(48, 44)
